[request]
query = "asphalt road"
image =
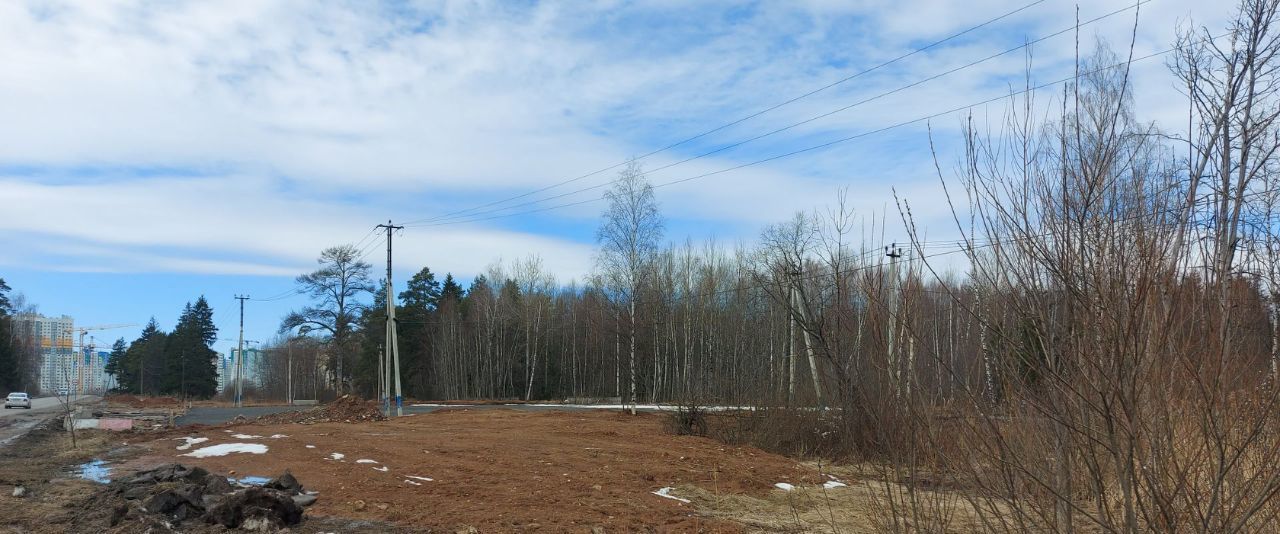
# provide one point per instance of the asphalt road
(209, 415)
(16, 422)
(44, 405)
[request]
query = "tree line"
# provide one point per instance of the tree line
(19, 353)
(181, 362)
(1099, 349)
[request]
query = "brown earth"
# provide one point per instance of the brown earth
(502, 470)
(134, 401)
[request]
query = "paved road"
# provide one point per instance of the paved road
(16, 422)
(211, 415)
(208, 415)
(43, 405)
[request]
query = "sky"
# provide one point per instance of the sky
(154, 152)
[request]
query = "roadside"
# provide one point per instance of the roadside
(17, 422)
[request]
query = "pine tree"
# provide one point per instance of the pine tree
(191, 368)
(451, 291)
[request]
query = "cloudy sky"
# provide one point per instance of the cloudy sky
(151, 152)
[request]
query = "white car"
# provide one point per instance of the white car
(17, 400)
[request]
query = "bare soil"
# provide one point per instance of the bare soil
(502, 470)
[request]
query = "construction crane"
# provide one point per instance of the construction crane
(92, 361)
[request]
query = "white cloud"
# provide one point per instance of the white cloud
(243, 137)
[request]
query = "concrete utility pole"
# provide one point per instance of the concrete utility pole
(391, 356)
(893, 251)
(239, 359)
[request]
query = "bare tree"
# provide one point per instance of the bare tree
(629, 238)
(335, 289)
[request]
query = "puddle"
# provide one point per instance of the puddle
(96, 471)
(250, 481)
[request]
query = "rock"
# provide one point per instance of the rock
(217, 485)
(304, 500)
(136, 492)
(285, 483)
(164, 502)
(359, 504)
(274, 507)
(19, 491)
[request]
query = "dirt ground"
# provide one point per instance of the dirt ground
(501, 470)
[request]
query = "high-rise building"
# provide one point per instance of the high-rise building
(251, 372)
(55, 338)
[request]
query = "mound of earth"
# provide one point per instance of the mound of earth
(346, 409)
(134, 401)
(174, 494)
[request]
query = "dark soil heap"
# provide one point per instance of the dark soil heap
(173, 493)
(347, 409)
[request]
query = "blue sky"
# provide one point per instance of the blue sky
(154, 152)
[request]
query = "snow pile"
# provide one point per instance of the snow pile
(337, 456)
(278, 436)
(228, 448)
(830, 484)
(311, 446)
(245, 436)
(784, 486)
(381, 468)
(666, 492)
(366, 461)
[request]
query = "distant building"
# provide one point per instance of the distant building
(251, 372)
(55, 339)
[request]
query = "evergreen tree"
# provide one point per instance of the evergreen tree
(451, 291)
(116, 359)
(191, 368)
(139, 370)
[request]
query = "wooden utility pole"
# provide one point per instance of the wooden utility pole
(239, 359)
(391, 355)
(893, 251)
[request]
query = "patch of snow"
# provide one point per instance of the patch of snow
(427, 479)
(278, 436)
(190, 442)
(784, 486)
(337, 456)
(228, 448)
(96, 471)
(245, 436)
(366, 461)
(412, 482)
(382, 468)
(666, 492)
(834, 484)
(311, 446)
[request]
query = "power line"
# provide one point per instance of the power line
(814, 147)
(740, 120)
(793, 125)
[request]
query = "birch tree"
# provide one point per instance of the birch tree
(628, 238)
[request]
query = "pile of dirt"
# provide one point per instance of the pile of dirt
(174, 493)
(346, 409)
(134, 401)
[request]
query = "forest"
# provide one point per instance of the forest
(1097, 349)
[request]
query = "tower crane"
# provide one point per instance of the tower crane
(92, 360)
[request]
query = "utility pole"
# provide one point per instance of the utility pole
(391, 356)
(239, 359)
(893, 251)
